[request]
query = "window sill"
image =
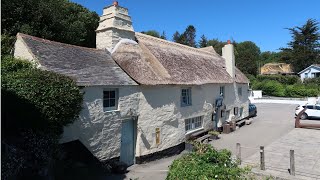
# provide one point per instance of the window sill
(194, 131)
(189, 105)
(110, 110)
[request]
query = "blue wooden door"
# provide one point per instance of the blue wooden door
(127, 142)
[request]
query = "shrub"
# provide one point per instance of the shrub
(300, 90)
(290, 80)
(272, 88)
(206, 164)
(36, 104)
(7, 43)
(56, 97)
(10, 64)
(313, 81)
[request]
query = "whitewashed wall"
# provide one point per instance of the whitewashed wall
(156, 107)
(100, 130)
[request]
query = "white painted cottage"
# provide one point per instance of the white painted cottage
(312, 71)
(144, 96)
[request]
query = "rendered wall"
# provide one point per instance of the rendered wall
(156, 107)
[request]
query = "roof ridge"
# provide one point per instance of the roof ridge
(163, 41)
(55, 42)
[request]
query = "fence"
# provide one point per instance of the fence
(259, 160)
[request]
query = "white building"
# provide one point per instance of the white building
(144, 96)
(310, 72)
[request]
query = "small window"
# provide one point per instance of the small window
(193, 123)
(110, 99)
(186, 97)
(236, 111)
(222, 91)
(318, 107)
(239, 91)
(306, 75)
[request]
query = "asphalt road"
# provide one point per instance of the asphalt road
(272, 122)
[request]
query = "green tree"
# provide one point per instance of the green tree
(176, 37)
(203, 41)
(153, 33)
(217, 45)
(189, 36)
(58, 20)
(247, 57)
(304, 48)
(163, 35)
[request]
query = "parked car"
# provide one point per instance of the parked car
(252, 110)
(312, 111)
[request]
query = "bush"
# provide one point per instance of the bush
(300, 90)
(272, 88)
(290, 80)
(36, 105)
(10, 64)
(56, 99)
(206, 163)
(7, 43)
(312, 81)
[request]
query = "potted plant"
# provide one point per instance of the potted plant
(214, 134)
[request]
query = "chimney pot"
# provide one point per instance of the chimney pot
(115, 3)
(228, 42)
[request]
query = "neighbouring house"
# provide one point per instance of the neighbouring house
(143, 96)
(312, 71)
(276, 68)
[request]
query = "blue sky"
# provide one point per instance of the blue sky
(260, 21)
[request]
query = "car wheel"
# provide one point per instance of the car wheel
(304, 116)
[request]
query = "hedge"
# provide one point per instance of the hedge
(285, 86)
(36, 97)
(36, 105)
(206, 163)
(290, 80)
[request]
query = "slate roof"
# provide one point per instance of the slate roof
(155, 61)
(88, 66)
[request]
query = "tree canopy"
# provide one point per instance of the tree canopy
(155, 33)
(58, 20)
(188, 37)
(304, 48)
(247, 57)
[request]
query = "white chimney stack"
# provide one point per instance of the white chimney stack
(115, 24)
(228, 55)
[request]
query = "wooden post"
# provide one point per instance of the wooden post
(262, 163)
(292, 166)
(238, 153)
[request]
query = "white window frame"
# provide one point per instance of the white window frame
(222, 90)
(106, 100)
(193, 123)
(239, 91)
(187, 93)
